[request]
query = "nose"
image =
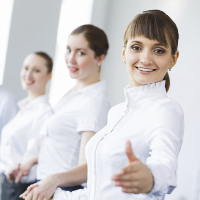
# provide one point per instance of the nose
(70, 57)
(28, 74)
(146, 58)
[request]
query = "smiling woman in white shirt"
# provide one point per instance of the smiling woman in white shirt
(22, 131)
(148, 123)
(77, 117)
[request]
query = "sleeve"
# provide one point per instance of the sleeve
(81, 194)
(164, 137)
(93, 115)
(36, 134)
(8, 111)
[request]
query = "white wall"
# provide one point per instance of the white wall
(184, 76)
(33, 28)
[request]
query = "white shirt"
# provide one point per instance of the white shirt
(21, 133)
(8, 107)
(154, 125)
(84, 110)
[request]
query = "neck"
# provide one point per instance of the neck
(34, 95)
(80, 84)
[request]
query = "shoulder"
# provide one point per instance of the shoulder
(170, 106)
(166, 113)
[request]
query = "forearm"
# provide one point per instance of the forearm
(33, 160)
(72, 177)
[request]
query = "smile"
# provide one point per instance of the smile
(145, 69)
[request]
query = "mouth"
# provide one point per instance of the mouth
(145, 69)
(73, 69)
(29, 82)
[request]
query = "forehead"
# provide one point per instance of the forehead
(145, 40)
(34, 60)
(77, 41)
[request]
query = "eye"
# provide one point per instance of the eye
(81, 53)
(25, 68)
(68, 49)
(36, 70)
(136, 47)
(159, 51)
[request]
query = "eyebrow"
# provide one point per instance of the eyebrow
(78, 49)
(157, 44)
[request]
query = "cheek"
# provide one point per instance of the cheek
(164, 64)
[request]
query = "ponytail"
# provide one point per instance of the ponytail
(167, 81)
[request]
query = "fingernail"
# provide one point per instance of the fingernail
(121, 172)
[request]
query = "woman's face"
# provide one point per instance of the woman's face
(34, 74)
(80, 59)
(147, 60)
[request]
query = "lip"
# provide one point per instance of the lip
(29, 82)
(73, 69)
(145, 72)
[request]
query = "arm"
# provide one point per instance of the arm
(163, 136)
(72, 177)
(22, 169)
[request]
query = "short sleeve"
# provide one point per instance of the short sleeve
(93, 115)
(164, 135)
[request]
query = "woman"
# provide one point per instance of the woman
(148, 121)
(78, 116)
(22, 131)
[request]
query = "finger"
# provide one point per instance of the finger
(29, 188)
(9, 178)
(127, 184)
(18, 177)
(29, 196)
(127, 177)
(131, 190)
(25, 173)
(129, 152)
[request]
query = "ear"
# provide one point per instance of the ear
(100, 59)
(174, 59)
(123, 54)
(49, 76)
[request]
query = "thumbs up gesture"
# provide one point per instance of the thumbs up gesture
(135, 177)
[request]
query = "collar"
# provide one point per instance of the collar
(139, 95)
(25, 103)
(94, 88)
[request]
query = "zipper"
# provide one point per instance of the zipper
(125, 113)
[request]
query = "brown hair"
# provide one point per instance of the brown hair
(96, 38)
(49, 61)
(154, 25)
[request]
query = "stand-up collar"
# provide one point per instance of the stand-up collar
(138, 95)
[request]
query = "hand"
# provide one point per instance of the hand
(135, 177)
(14, 173)
(41, 190)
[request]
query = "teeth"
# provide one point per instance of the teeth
(145, 70)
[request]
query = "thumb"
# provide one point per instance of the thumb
(129, 152)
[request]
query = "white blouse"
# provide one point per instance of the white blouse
(8, 107)
(21, 133)
(84, 110)
(154, 125)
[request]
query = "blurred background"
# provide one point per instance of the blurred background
(44, 25)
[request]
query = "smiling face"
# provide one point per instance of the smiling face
(147, 60)
(80, 59)
(34, 74)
